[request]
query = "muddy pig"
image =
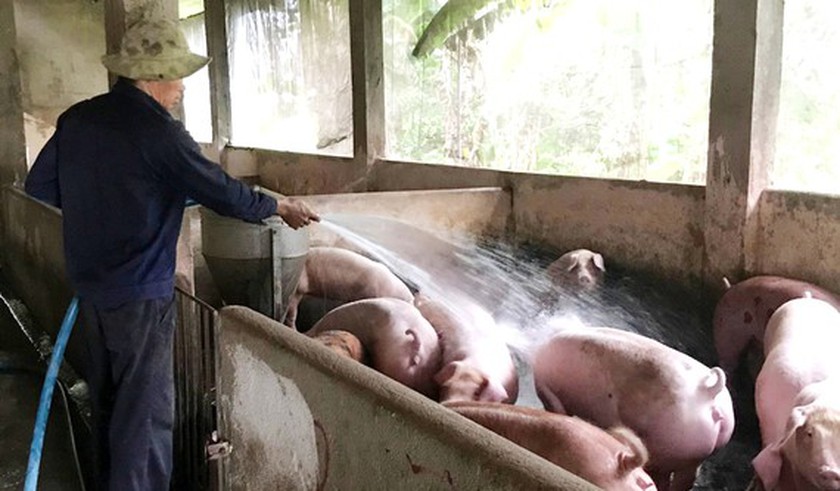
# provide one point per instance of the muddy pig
(742, 312)
(399, 341)
(611, 459)
(679, 407)
(340, 274)
(476, 364)
(343, 343)
(797, 398)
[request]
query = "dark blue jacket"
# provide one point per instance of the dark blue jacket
(121, 167)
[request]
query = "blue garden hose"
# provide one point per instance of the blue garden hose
(35, 450)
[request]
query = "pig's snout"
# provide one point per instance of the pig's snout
(645, 482)
(586, 281)
(829, 478)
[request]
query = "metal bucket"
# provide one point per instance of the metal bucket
(256, 265)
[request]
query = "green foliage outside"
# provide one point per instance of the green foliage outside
(580, 87)
(584, 87)
(808, 136)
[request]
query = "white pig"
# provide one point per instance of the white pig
(580, 269)
(340, 274)
(476, 362)
(797, 398)
(398, 340)
(680, 408)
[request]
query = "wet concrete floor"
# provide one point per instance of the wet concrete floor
(21, 379)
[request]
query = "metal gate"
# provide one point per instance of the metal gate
(195, 403)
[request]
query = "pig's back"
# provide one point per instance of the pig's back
(804, 331)
(597, 373)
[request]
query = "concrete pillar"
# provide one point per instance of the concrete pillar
(215, 21)
(367, 77)
(746, 74)
(12, 139)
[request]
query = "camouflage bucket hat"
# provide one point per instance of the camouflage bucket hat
(154, 50)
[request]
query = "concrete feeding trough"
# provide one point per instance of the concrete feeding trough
(298, 416)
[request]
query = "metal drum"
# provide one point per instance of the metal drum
(256, 265)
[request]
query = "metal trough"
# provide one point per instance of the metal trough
(255, 265)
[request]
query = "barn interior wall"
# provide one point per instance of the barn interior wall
(799, 237)
(655, 227)
(59, 43)
(33, 262)
(651, 227)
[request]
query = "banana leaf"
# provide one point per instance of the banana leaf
(457, 15)
(454, 16)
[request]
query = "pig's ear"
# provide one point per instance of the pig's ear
(798, 417)
(636, 454)
(627, 461)
(768, 465)
(445, 373)
(598, 260)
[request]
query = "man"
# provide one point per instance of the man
(121, 168)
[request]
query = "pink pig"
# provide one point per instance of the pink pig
(476, 362)
(578, 269)
(340, 274)
(797, 396)
(679, 407)
(742, 313)
(611, 459)
(399, 342)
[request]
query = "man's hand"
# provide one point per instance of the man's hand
(296, 213)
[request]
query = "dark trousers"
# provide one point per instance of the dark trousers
(129, 371)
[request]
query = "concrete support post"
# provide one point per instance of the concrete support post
(746, 74)
(12, 136)
(12, 139)
(215, 21)
(367, 79)
(114, 29)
